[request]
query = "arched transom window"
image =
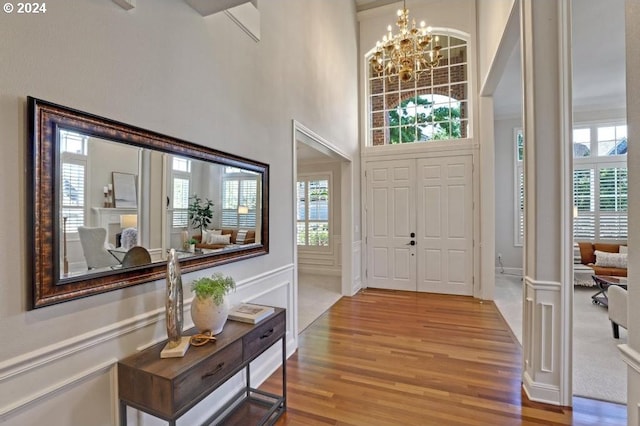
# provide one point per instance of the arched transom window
(433, 107)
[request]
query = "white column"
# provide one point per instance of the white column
(546, 65)
(631, 351)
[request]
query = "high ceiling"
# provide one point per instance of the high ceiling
(598, 59)
(598, 62)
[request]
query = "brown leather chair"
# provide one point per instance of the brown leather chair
(136, 256)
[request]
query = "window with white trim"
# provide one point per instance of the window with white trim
(313, 210)
(180, 186)
(239, 198)
(73, 175)
(433, 107)
(600, 183)
(519, 187)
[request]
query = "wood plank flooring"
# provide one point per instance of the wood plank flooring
(404, 358)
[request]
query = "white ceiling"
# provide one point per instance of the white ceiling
(598, 62)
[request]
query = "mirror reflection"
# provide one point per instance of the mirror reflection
(122, 206)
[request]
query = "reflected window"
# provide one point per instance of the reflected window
(73, 175)
(313, 213)
(239, 198)
(180, 185)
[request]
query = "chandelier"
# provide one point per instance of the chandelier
(407, 53)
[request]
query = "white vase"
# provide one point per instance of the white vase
(206, 315)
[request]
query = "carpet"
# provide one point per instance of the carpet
(316, 294)
(598, 369)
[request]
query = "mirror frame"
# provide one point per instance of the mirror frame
(43, 203)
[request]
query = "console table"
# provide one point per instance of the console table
(168, 387)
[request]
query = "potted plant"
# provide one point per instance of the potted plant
(190, 245)
(200, 212)
(210, 308)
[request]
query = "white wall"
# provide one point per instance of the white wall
(492, 20)
(506, 193)
(163, 67)
(631, 351)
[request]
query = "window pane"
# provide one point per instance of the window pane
(181, 165)
(301, 201)
(230, 194)
(613, 189)
(583, 190)
(73, 143)
(179, 219)
(73, 184)
(318, 234)
(406, 120)
(180, 193)
(319, 200)
(519, 145)
(612, 140)
(301, 235)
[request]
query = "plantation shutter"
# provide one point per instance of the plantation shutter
(584, 200)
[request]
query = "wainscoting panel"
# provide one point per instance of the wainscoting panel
(74, 382)
(322, 262)
(542, 374)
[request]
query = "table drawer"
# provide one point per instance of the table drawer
(263, 336)
(206, 376)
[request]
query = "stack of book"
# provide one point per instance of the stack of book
(248, 312)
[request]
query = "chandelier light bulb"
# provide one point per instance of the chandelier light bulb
(422, 24)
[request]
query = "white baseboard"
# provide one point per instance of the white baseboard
(318, 270)
(540, 392)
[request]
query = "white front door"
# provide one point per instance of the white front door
(445, 225)
(419, 225)
(391, 216)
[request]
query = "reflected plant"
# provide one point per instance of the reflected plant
(200, 212)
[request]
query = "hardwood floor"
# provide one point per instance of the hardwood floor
(404, 358)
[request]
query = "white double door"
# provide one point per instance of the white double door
(420, 225)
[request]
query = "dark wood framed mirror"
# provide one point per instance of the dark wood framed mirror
(99, 188)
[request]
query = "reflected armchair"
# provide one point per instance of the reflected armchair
(93, 247)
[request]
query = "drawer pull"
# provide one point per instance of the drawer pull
(267, 334)
(215, 371)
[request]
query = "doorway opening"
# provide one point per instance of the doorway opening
(322, 225)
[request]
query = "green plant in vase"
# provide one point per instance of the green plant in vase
(210, 308)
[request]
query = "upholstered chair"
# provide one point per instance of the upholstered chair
(93, 246)
(618, 300)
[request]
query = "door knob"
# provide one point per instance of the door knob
(411, 243)
(413, 235)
